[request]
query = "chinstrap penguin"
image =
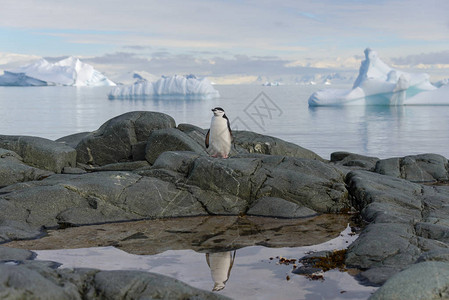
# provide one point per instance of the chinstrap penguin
(219, 136)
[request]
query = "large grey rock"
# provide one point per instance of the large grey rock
(194, 132)
(35, 280)
(427, 280)
(73, 140)
(354, 161)
(278, 207)
(13, 169)
(406, 221)
(251, 142)
(417, 168)
(20, 282)
(263, 144)
(385, 245)
(122, 138)
(435, 255)
(304, 182)
(39, 152)
(169, 139)
(11, 254)
(88, 199)
(123, 166)
(137, 285)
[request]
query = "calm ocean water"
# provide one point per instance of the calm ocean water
(280, 111)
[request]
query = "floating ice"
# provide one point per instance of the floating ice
(436, 97)
(377, 84)
(442, 82)
(174, 86)
(70, 71)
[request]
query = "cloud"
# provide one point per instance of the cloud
(124, 58)
(286, 29)
(9, 61)
(219, 66)
(228, 37)
(432, 58)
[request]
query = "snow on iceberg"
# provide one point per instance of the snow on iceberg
(171, 87)
(70, 72)
(439, 96)
(376, 84)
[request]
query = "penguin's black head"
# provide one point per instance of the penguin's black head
(218, 111)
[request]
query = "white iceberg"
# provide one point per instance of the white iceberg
(167, 87)
(377, 84)
(68, 72)
(441, 82)
(439, 96)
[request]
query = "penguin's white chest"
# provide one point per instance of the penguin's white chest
(220, 137)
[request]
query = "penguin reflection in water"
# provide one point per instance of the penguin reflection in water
(219, 136)
(220, 265)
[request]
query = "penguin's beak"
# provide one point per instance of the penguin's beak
(213, 110)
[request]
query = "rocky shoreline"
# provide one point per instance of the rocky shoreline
(140, 165)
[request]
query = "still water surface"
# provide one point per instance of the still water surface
(280, 111)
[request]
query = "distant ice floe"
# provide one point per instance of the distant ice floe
(175, 86)
(274, 83)
(376, 84)
(67, 72)
(441, 82)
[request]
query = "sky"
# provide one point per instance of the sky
(233, 40)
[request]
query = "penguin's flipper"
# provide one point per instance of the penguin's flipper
(229, 126)
(207, 139)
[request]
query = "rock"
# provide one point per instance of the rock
(72, 140)
(13, 170)
(39, 152)
(416, 168)
(251, 142)
(309, 183)
(169, 139)
(433, 231)
(179, 184)
(89, 199)
(124, 166)
(137, 285)
(177, 161)
(39, 281)
(9, 254)
(16, 227)
(20, 282)
(354, 161)
(406, 221)
(383, 245)
(435, 255)
(368, 187)
(278, 207)
(194, 132)
(426, 280)
(70, 170)
(263, 144)
(120, 139)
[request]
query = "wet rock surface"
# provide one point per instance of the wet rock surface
(139, 165)
(202, 234)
